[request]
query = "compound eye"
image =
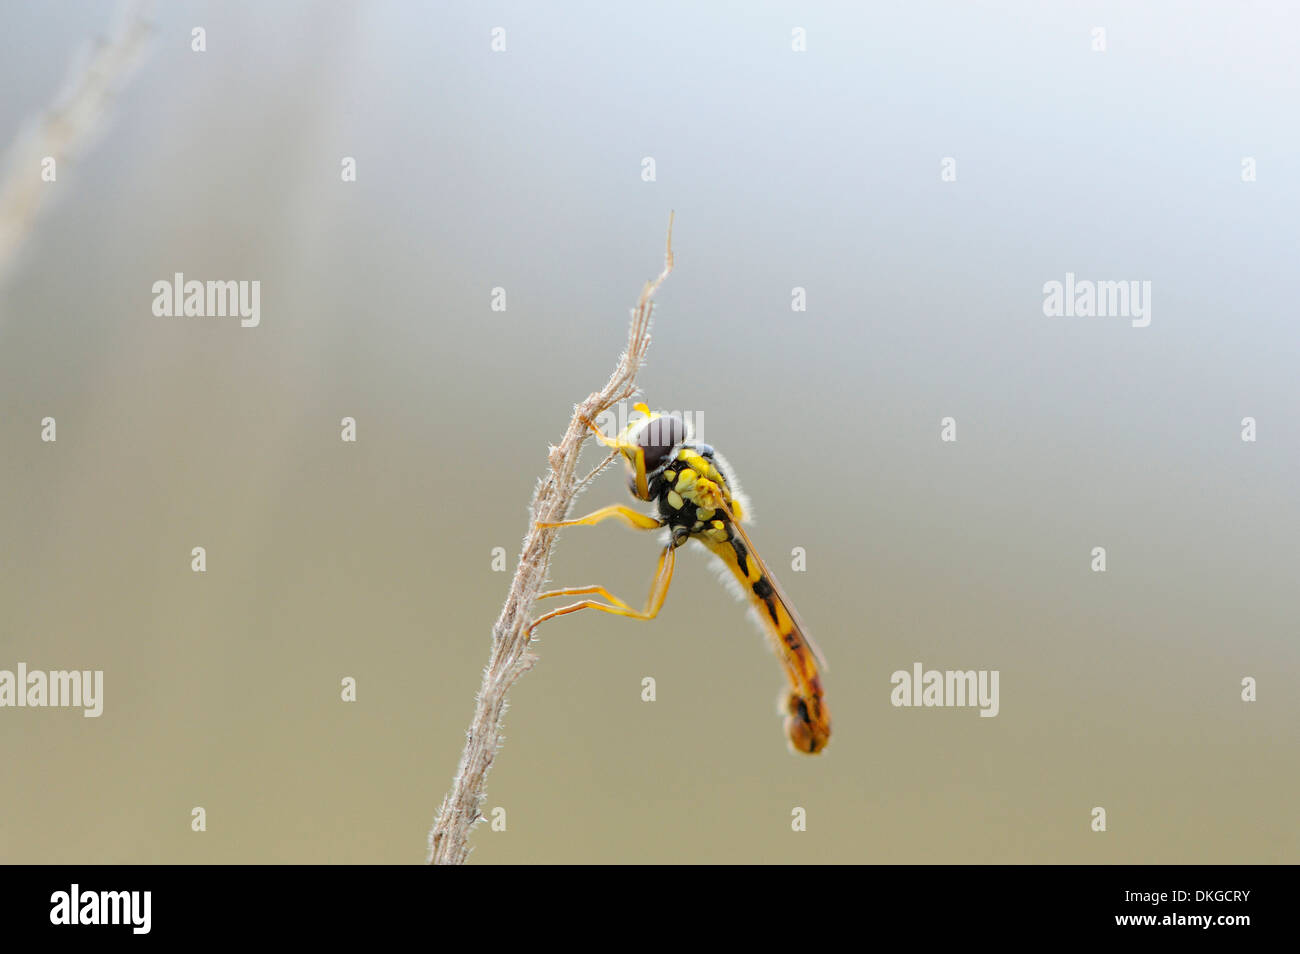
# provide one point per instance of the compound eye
(660, 437)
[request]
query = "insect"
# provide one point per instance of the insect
(698, 499)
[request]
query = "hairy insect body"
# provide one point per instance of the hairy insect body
(695, 498)
(690, 492)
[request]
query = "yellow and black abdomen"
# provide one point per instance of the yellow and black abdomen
(695, 501)
(808, 723)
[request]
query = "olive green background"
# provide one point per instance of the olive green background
(522, 170)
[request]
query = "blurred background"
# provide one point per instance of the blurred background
(522, 170)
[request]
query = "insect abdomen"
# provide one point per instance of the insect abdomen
(807, 723)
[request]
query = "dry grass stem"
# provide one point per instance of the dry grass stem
(511, 657)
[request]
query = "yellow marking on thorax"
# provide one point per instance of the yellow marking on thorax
(698, 481)
(695, 462)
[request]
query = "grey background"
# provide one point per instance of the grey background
(522, 170)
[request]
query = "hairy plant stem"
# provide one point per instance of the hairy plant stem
(461, 808)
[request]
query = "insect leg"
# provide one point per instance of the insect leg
(636, 452)
(579, 590)
(654, 603)
(632, 518)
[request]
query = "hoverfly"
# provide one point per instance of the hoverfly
(698, 499)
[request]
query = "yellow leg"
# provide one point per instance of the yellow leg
(632, 518)
(655, 602)
(600, 436)
(579, 590)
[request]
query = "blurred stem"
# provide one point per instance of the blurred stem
(66, 127)
(461, 808)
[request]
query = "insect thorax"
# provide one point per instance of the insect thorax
(689, 491)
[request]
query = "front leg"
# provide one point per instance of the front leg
(633, 518)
